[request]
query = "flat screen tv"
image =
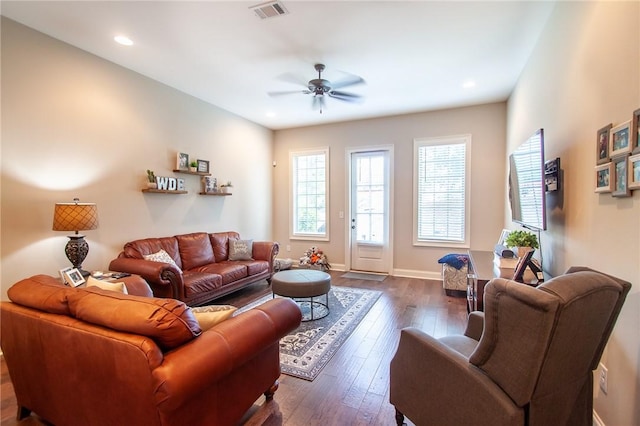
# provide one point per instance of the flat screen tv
(526, 183)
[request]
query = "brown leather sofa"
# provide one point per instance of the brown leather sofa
(202, 270)
(90, 356)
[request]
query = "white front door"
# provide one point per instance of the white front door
(369, 211)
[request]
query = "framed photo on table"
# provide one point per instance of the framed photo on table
(73, 277)
(518, 274)
(602, 146)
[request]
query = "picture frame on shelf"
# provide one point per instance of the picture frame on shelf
(602, 146)
(634, 172)
(182, 161)
(604, 180)
(209, 184)
(620, 139)
(73, 277)
(635, 132)
(620, 177)
(203, 166)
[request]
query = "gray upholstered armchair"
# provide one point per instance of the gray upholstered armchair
(527, 360)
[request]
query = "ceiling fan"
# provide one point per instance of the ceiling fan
(319, 87)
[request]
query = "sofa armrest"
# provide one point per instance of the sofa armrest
(164, 279)
(266, 250)
(193, 367)
(475, 325)
(425, 374)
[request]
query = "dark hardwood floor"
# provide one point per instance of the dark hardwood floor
(353, 389)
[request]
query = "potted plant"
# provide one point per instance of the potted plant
(522, 240)
(193, 166)
(151, 178)
(225, 187)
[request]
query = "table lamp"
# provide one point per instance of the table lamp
(76, 217)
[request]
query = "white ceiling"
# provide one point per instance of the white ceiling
(413, 55)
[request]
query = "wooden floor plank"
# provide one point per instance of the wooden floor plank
(353, 388)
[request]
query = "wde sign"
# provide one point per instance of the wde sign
(170, 183)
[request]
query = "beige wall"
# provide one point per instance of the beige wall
(486, 124)
(76, 125)
(584, 74)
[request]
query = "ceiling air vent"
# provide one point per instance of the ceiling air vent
(269, 9)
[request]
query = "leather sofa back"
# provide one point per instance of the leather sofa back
(139, 248)
(195, 250)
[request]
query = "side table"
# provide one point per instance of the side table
(136, 285)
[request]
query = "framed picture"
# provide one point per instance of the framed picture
(635, 132)
(503, 236)
(203, 166)
(73, 277)
(62, 271)
(620, 139)
(602, 147)
(182, 161)
(620, 176)
(634, 172)
(604, 182)
(518, 274)
(210, 184)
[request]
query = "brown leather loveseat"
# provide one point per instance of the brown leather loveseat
(200, 268)
(96, 357)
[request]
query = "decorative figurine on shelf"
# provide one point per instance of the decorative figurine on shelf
(193, 166)
(314, 258)
(151, 177)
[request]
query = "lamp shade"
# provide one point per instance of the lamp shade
(75, 216)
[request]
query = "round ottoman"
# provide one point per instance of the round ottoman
(304, 284)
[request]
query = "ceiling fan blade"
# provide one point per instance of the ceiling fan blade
(349, 81)
(293, 79)
(345, 96)
(288, 92)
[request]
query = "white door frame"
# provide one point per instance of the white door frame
(349, 213)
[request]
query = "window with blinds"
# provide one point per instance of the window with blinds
(310, 178)
(441, 191)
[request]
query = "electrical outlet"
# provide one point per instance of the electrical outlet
(288, 247)
(603, 378)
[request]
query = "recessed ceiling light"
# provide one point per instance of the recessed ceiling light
(469, 84)
(123, 40)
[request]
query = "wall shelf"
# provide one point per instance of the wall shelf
(217, 194)
(187, 172)
(163, 191)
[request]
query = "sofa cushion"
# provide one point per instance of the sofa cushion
(120, 287)
(240, 249)
(162, 257)
(195, 250)
(42, 292)
(208, 316)
(167, 321)
(137, 249)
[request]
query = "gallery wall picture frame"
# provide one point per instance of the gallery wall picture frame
(634, 172)
(604, 179)
(182, 161)
(203, 166)
(620, 177)
(620, 139)
(635, 132)
(602, 145)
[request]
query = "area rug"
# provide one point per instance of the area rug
(306, 350)
(364, 276)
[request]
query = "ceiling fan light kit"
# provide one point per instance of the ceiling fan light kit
(320, 87)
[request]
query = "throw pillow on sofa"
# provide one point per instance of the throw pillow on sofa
(208, 316)
(120, 287)
(240, 249)
(161, 256)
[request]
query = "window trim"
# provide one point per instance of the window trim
(292, 205)
(443, 140)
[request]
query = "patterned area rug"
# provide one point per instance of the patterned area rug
(306, 350)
